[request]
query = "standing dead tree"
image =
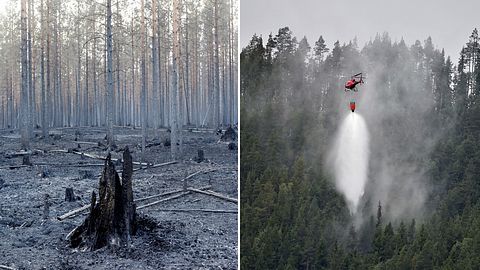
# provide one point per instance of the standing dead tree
(24, 78)
(112, 220)
(109, 92)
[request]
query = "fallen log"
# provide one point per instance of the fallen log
(58, 151)
(69, 164)
(90, 143)
(152, 144)
(155, 165)
(94, 156)
(113, 159)
(226, 211)
(163, 200)
(167, 193)
(200, 130)
(7, 267)
(18, 154)
(73, 212)
(214, 194)
(219, 195)
(199, 172)
(91, 155)
(11, 167)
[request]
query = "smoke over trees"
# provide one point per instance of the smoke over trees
(88, 64)
(421, 111)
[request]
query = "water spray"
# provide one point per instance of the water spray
(349, 159)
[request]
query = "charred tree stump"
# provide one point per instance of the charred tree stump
(200, 156)
(129, 214)
(46, 207)
(111, 221)
(229, 135)
(26, 160)
(69, 195)
(232, 146)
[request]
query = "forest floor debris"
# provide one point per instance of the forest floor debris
(194, 231)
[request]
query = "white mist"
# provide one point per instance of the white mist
(349, 159)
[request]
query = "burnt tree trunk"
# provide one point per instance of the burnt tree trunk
(111, 221)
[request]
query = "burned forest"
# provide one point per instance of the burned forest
(118, 134)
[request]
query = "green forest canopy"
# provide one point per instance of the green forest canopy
(424, 120)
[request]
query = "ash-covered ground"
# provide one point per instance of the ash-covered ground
(165, 240)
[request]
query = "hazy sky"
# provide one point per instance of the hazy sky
(3, 5)
(448, 22)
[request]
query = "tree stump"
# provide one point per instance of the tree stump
(69, 195)
(200, 156)
(229, 135)
(26, 160)
(112, 220)
(46, 207)
(232, 146)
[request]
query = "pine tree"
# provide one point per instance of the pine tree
(320, 49)
(379, 215)
(270, 46)
(389, 241)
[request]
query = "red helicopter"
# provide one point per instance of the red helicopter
(350, 86)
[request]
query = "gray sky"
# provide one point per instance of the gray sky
(448, 22)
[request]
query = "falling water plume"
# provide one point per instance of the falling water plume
(349, 156)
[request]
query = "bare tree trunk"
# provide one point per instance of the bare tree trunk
(174, 92)
(31, 84)
(78, 82)
(24, 77)
(58, 66)
(133, 115)
(155, 71)
(216, 108)
(160, 85)
(42, 74)
(56, 87)
(69, 97)
(96, 109)
(187, 54)
(168, 104)
(86, 102)
(118, 95)
(144, 81)
(109, 97)
(230, 64)
(180, 81)
(196, 83)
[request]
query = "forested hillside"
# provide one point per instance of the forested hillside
(420, 208)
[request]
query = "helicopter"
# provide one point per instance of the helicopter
(351, 84)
